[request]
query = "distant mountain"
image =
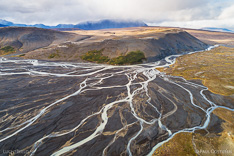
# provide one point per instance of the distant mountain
(8, 23)
(2, 25)
(106, 24)
(65, 26)
(90, 25)
(40, 26)
(217, 29)
(4, 22)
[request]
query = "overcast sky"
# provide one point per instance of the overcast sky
(184, 13)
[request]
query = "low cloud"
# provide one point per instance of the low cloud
(151, 11)
(227, 13)
(224, 23)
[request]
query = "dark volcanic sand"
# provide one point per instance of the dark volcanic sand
(49, 108)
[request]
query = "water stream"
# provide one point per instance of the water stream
(92, 78)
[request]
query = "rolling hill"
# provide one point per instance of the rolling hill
(156, 43)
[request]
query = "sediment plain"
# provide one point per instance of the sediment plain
(52, 107)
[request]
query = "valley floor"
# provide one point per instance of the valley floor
(61, 108)
(216, 70)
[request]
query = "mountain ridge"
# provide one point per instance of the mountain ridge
(217, 29)
(89, 25)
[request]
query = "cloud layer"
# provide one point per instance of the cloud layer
(151, 11)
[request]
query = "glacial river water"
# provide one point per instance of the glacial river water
(60, 108)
